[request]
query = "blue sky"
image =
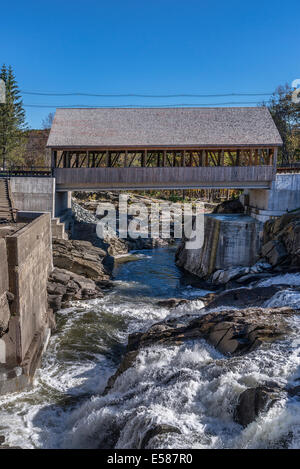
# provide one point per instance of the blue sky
(153, 47)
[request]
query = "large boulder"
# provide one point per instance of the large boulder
(171, 302)
(229, 206)
(281, 240)
(242, 297)
(80, 257)
(155, 431)
(64, 286)
(253, 401)
(274, 251)
(232, 332)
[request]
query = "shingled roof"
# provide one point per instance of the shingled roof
(163, 127)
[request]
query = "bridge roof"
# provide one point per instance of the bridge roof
(163, 127)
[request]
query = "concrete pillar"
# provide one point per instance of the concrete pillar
(282, 197)
(63, 202)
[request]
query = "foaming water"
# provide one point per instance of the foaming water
(292, 279)
(191, 387)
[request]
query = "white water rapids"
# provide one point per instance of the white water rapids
(192, 387)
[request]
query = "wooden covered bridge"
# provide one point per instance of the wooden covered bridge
(173, 148)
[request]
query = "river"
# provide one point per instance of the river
(192, 387)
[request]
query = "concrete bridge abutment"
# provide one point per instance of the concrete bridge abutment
(282, 197)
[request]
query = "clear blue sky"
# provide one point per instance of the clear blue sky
(148, 46)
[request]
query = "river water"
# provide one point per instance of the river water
(192, 387)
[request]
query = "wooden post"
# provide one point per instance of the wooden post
(237, 161)
(202, 158)
(275, 154)
(206, 157)
(164, 158)
(222, 158)
(144, 158)
(250, 158)
(53, 158)
(126, 158)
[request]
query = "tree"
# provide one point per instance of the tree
(47, 122)
(286, 115)
(12, 118)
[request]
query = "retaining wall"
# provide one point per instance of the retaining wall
(25, 275)
(34, 194)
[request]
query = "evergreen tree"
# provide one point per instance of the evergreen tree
(12, 118)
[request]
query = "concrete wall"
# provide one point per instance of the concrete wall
(34, 194)
(229, 241)
(29, 263)
(4, 306)
(63, 202)
(283, 196)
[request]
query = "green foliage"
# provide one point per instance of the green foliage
(286, 115)
(12, 121)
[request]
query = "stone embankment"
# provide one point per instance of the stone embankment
(79, 273)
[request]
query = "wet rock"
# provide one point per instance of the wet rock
(229, 206)
(293, 391)
(242, 297)
(232, 332)
(281, 240)
(171, 302)
(155, 431)
(249, 278)
(224, 276)
(274, 252)
(241, 274)
(55, 302)
(127, 362)
(253, 401)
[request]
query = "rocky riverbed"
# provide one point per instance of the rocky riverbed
(146, 356)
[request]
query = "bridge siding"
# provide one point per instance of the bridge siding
(226, 176)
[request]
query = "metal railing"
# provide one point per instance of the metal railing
(288, 168)
(26, 171)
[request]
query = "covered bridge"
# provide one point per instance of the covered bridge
(166, 148)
